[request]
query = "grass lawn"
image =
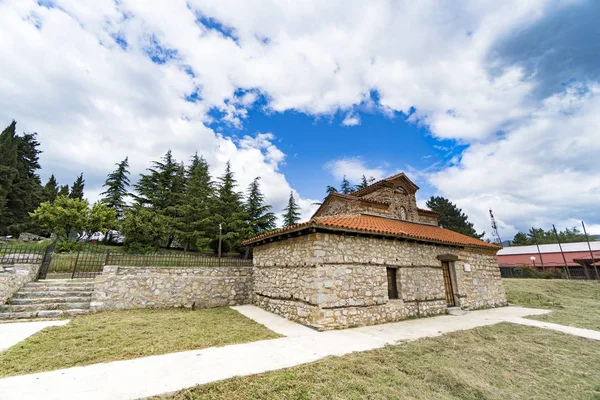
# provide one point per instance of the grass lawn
(574, 303)
(121, 335)
(501, 362)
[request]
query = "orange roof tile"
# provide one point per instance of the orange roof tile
(382, 226)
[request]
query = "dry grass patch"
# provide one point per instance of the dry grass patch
(122, 335)
(573, 303)
(497, 362)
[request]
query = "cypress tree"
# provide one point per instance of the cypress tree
(63, 191)
(20, 185)
(196, 216)
(77, 188)
(50, 191)
(291, 213)
(230, 212)
(346, 187)
(117, 184)
(260, 218)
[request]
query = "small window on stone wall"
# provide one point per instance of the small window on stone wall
(402, 213)
(392, 285)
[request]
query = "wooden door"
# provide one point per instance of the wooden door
(448, 283)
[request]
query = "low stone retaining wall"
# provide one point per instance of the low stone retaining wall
(156, 287)
(13, 277)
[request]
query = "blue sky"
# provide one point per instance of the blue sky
(490, 104)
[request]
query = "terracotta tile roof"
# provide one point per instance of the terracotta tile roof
(383, 226)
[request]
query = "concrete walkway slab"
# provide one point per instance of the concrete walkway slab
(584, 333)
(274, 322)
(14, 332)
(155, 375)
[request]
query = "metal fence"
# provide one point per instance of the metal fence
(87, 260)
(553, 272)
(21, 254)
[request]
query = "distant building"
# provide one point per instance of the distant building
(577, 256)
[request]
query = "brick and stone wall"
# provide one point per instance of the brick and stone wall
(333, 281)
(13, 277)
(151, 287)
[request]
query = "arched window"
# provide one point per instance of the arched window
(402, 213)
(400, 190)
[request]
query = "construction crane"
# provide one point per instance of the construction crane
(495, 234)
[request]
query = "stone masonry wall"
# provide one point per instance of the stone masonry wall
(150, 287)
(13, 277)
(333, 281)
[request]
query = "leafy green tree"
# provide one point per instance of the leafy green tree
(65, 217)
(64, 190)
(50, 192)
(260, 217)
(117, 185)
(291, 213)
(77, 188)
(144, 229)
(569, 235)
(229, 211)
(20, 185)
(346, 187)
(451, 217)
(100, 218)
(196, 220)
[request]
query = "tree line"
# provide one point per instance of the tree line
(171, 204)
(569, 235)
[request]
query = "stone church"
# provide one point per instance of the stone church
(370, 257)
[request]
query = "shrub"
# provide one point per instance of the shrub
(525, 271)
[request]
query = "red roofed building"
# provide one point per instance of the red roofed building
(369, 257)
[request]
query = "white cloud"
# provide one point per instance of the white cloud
(95, 100)
(351, 119)
(541, 172)
(353, 169)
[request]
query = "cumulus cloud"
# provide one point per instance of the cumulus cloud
(105, 79)
(353, 168)
(541, 172)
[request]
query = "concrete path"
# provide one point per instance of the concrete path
(274, 322)
(584, 333)
(14, 332)
(155, 375)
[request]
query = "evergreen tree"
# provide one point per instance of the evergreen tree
(364, 182)
(77, 188)
(196, 222)
(569, 235)
(260, 217)
(161, 190)
(229, 211)
(117, 184)
(50, 192)
(64, 190)
(291, 213)
(451, 217)
(346, 187)
(330, 189)
(20, 185)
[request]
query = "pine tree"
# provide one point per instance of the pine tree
(229, 211)
(196, 216)
(451, 217)
(260, 217)
(291, 213)
(161, 190)
(331, 189)
(346, 187)
(77, 188)
(63, 191)
(50, 191)
(364, 182)
(117, 184)
(20, 185)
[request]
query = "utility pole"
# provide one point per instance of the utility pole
(568, 274)
(538, 247)
(587, 239)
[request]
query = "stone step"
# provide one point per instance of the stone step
(21, 294)
(56, 288)
(42, 307)
(43, 314)
(456, 311)
(42, 300)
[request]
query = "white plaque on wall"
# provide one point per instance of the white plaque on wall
(467, 267)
